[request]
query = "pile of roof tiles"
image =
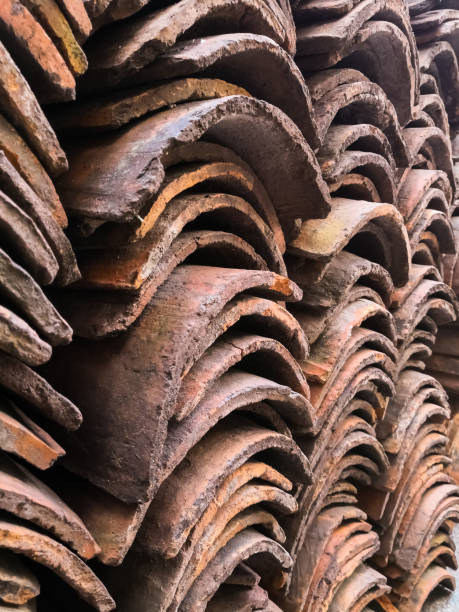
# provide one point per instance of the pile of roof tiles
(261, 200)
(40, 56)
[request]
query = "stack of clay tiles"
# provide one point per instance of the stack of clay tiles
(412, 504)
(39, 534)
(444, 362)
(183, 188)
(260, 197)
(436, 26)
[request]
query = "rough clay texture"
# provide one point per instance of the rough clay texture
(229, 282)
